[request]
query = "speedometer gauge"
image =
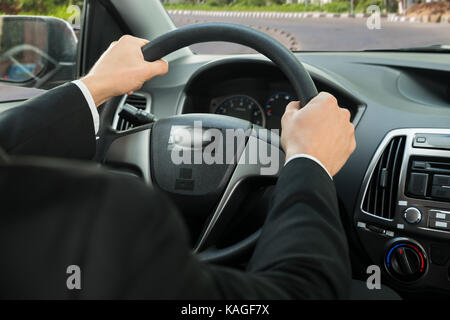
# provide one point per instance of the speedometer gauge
(275, 106)
(243, 107)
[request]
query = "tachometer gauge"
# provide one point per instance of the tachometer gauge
(275, 107)
(243, 107)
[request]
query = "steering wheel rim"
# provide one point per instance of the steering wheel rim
(283, 58)
(292, 68)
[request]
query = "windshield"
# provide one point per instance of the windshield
(325, 25)
(301, 25)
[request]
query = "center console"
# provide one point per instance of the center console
(403, 216)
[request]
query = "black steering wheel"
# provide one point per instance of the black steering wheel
(283, 58)
(203, 191)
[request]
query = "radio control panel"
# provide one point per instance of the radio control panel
(410, 175)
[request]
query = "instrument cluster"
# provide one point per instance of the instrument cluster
(262, 111)
(253, 91)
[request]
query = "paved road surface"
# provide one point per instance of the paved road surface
(341, 34)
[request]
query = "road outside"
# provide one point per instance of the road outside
(327, 34)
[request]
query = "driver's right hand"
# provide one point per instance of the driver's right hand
(320, 129)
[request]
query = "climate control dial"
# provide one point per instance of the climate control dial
(406, 260)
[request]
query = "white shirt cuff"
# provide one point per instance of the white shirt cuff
(88, 96)
(304, 155)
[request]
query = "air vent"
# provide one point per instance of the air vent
(381, 195)
(137, 101)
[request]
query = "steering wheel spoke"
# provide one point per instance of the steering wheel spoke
(245, 168)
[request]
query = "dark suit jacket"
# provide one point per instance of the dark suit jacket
(128, 240)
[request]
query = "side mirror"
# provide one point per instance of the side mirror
(36, 51)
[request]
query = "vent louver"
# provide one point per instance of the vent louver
(137, 101)
(381, 195)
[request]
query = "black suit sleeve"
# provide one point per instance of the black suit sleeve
(302, 252)
(130, 242)
(55, 124)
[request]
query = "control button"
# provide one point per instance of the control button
(421, 139)
(441, 180)
(439, 254)
(389, 233)
(442, 192)
(412, 215)
(418, 184)
(439, 215)
(361, 224)
(419, 165)
(439, 224)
